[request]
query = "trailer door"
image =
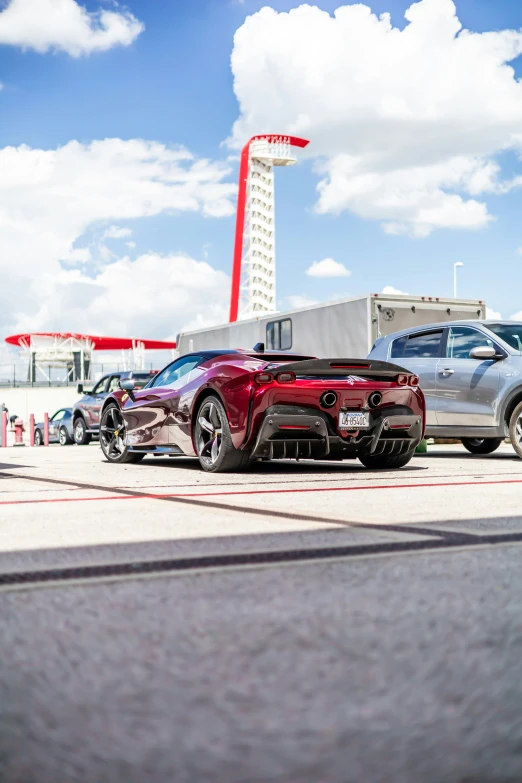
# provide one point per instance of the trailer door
(391, 315)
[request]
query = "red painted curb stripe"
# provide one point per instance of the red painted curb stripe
(158, 496)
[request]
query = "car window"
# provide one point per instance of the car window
(141, 379)
(113, 383)
(58, 415)
(100, 386)
(176, 371)
(462, 339)
(426, 345)
(279, 335)
(510, 333)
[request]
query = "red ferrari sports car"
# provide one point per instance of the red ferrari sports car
(230, 407)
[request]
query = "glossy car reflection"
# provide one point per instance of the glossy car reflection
(230, 407)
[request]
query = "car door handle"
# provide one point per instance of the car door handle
(446, 371)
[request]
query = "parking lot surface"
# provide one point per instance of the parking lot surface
(297, 622)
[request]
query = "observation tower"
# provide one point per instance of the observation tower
(253, 272)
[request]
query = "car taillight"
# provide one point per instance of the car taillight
(402, 380)
(414, 380)
(263, 377)
(285, 377)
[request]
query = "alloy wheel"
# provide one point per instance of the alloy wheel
(518, 431)
(62, 437)
(210, 434)
(112, 433)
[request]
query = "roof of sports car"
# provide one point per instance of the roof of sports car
(268, 355)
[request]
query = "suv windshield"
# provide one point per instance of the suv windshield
(510, 333)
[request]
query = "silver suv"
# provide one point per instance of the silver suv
(471, 375)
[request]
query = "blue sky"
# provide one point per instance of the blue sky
(173, 84)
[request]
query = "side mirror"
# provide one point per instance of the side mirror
(79, 388)
(483, 352)
(127, 385)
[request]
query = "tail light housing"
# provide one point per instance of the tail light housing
(263, 377)
(414, 380)
(403, 379)
(285, 377)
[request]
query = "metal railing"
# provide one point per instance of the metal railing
(17, 375)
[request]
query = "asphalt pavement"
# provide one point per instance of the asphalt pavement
(333, 624)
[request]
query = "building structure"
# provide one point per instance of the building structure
(253, 272)
(72, 352)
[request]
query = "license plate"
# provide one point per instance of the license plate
(353, 421)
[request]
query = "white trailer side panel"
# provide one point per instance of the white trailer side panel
(346, 328)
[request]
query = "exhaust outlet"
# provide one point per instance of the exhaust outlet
(375, 399)
(328, 399)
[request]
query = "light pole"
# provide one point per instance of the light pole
(459, 263)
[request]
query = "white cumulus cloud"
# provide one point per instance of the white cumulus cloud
(493, 314)
(65, 25)
(117, 232)
(295, 301)
(516, 316)
(406, 124)
(154, 295)
(328, 268)
(389, 289)
(50, 198)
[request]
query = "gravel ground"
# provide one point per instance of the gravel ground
(396, 669)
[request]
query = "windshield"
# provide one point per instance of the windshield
(510, 333)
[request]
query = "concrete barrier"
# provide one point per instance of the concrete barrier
(22, 401)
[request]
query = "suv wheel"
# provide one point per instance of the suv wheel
(515, 429)
(482, 445)
(81, 436)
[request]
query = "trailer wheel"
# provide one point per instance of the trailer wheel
(482, 445)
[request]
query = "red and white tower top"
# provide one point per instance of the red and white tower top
(253, 271)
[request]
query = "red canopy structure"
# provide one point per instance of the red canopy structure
(72, 351)
(97, 343)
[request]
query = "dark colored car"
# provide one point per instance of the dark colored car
(60, 428)
(86, 412)
(230, 407)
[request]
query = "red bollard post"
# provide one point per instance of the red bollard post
(46, 429)
(3, 440)
(31, 429)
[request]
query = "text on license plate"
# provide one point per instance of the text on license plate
(353, 421)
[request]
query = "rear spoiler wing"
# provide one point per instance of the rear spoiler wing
(364, 368)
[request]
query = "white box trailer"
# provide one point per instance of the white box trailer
(345, 328)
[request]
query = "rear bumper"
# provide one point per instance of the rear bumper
(292, 436)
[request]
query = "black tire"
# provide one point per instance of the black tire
(112, 437)
(38, 438)
(215, 450)
(389, 461)
(64, 438)
(81, 436)
(482, 445)
(515, 429)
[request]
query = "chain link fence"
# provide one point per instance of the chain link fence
(17, 375)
